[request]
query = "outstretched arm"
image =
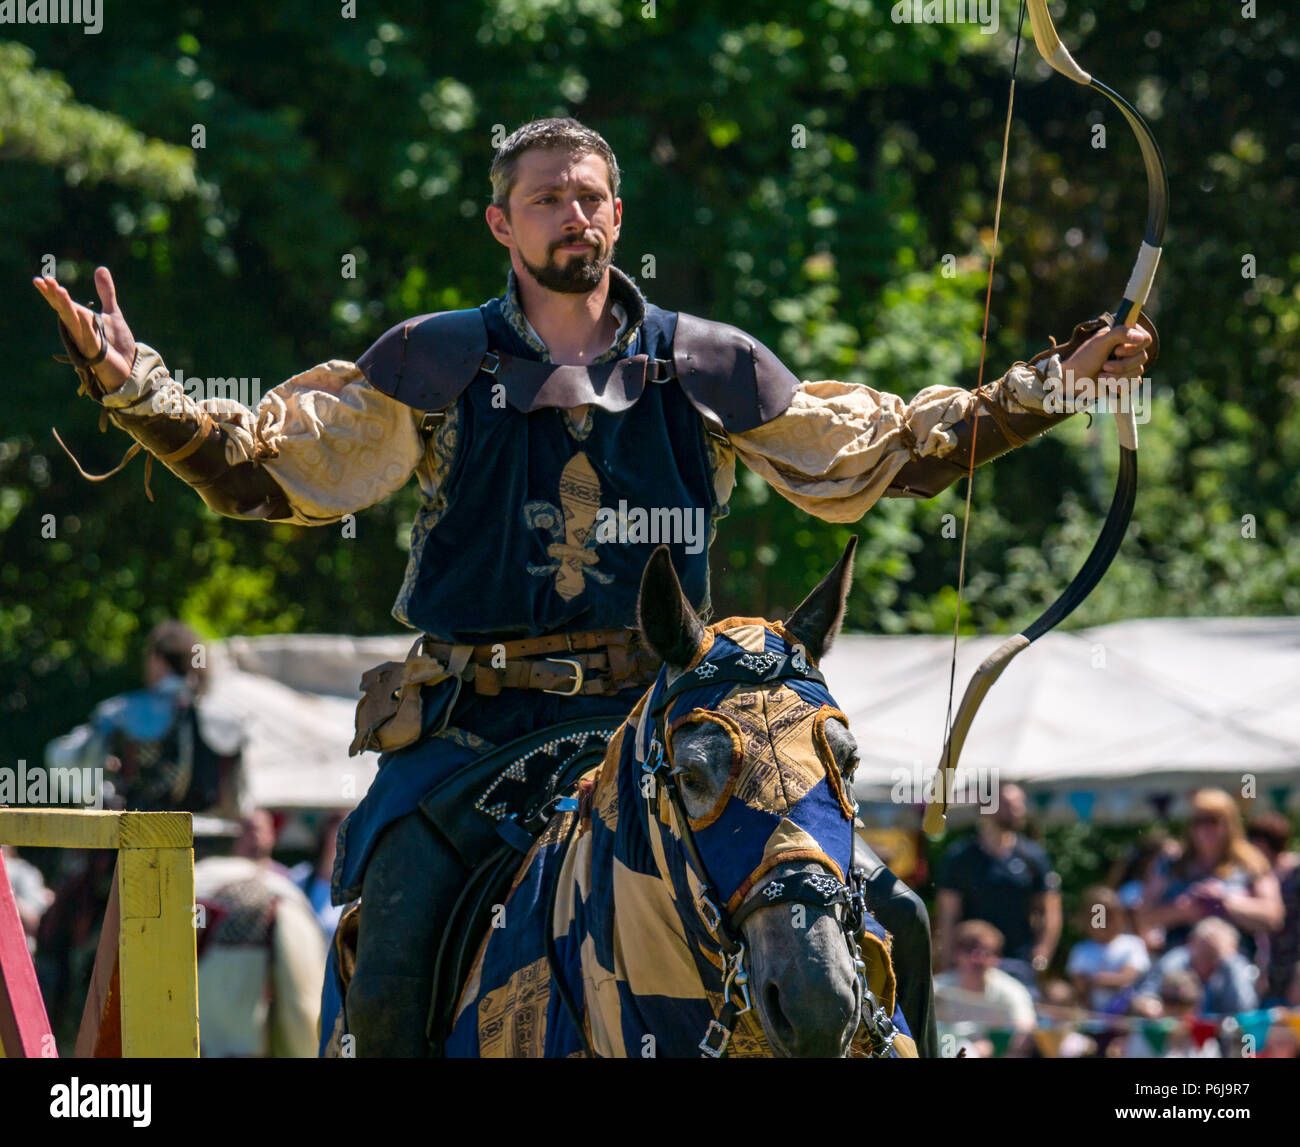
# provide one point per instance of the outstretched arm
(319, 446)
(839, 447)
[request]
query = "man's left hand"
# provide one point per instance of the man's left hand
(1108, 356)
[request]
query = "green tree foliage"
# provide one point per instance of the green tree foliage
(814, 173)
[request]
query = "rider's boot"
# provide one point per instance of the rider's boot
(902, 913)
(411, 883)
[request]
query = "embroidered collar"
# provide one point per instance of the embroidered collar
(628, 306)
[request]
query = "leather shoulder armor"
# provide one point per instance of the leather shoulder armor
(733, 380)
(426, 362)
(730, 375)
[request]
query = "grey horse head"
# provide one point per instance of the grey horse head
(768, 748)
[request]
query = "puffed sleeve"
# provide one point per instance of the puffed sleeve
(840, 446)
(331, 441)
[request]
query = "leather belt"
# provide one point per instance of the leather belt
(593, 663)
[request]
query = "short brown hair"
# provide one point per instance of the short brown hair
(1272, 828)
(174, 642)
(556, 134)
(979, 930)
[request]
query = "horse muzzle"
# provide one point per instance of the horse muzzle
(803, 976)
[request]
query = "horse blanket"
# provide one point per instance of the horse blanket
(632, 942)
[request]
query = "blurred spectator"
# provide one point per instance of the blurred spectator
(1111, 959)
(1060, 1000)
(1278, 953)
(261, 957)
(1129, 876)
(256, 840)
(1270, 832)
(1220, 874)
(977, 991)
(164, 747)
(1281, 1043)
(30, 893)
(1006, 879)
(1178, 994)
(313, 877)
(1224, 977)
(68, 940)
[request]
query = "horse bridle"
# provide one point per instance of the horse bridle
(816, 889)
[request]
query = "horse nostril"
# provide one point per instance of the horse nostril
(782, 1028)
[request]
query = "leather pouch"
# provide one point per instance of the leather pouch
(389, 714)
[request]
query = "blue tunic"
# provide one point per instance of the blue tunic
(547, 527)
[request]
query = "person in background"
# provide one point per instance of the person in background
(1270, 832)
(1282, 1042)
(1220, 874)
(313, 877)
(261, 954)
(1006, 879)
(1129, 875)
(1278, 953)
(256, 841)
(1225, 978)
(30, 893)
(1178, 995)
(165, 747)
(977, 991)
(1111, 959)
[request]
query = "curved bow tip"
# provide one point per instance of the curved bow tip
(1050, 46)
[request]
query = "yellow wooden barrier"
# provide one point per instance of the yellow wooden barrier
(157, 973)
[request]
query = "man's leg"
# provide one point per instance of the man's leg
(411, 883)
(902, 913)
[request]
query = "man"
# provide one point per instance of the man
(165, 746)
(546, 429)
(978, 992)
(260, 952)
(1278, 953)
(162, 748)
(1225, 976)
(1004, 878)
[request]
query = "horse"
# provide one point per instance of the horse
(697, 896)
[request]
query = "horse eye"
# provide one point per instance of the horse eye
(687, 779)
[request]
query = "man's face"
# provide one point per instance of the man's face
(1011, 808)
(563, 220)
(1205, 956)
(974, 956)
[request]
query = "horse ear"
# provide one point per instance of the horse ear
(669, 624)
(816, 622)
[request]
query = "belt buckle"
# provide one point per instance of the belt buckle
(577, 676)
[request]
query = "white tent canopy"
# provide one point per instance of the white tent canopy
(1119, 711)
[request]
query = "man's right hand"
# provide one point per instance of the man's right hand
(115, 368)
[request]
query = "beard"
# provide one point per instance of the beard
(576, 274)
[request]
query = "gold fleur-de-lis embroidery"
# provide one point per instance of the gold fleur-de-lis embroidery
(571, 528)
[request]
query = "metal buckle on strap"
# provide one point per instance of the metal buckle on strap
(578, 676)
(709, 913)
(737, 979)
(715, 1031)
(660, 370)
(490, 362)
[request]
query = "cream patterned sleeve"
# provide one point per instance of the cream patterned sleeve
(839, 446)
(332, 441)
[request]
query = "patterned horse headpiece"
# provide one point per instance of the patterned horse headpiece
(785, 799)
